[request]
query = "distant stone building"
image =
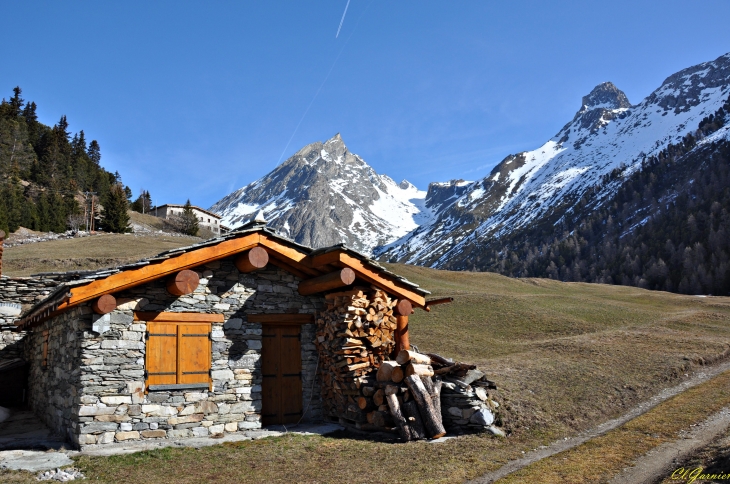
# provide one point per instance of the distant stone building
(206, 219)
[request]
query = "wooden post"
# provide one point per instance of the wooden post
(105, 304)
(252, 260)
(402, 341)
(184, 282)
(2, 240)
(333, 280)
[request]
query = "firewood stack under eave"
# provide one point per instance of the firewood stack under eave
(416, 395)
(354, 335)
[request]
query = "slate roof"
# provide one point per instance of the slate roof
(72, 279)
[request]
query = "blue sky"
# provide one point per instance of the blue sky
(194, 100)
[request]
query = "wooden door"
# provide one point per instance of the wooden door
(281, 367)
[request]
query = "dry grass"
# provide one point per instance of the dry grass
(565, 356)
(601, 458)
(87, 253)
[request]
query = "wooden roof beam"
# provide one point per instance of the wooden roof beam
(142, 275)
(252, 260)
(333, 280)
(340, 257)
(183, 283)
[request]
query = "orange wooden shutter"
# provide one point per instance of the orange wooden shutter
(194, 353)
(162, 353)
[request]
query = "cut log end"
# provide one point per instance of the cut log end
(184, 282)
(397, 374)
(404, 307)
(252, 260)
(105, 304)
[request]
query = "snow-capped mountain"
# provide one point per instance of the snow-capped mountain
(324, 195)
(606, 134)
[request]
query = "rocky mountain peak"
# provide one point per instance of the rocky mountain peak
(607, 96)
(335, 146)
(324, 195)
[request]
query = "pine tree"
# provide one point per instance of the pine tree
(16, 102)
(143, 203)
(115, 217)
(189, 222)
(94, 152)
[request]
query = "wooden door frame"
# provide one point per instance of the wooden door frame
(281, 318)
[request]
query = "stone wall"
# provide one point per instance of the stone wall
(109, 398)
(53, 389)
(24, 291)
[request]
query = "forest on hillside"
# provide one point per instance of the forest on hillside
(45, 171)
(666, 228)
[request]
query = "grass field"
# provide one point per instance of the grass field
(87, 253)
(566, 356)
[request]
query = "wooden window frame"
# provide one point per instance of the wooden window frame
(44, 361)
(178, 319)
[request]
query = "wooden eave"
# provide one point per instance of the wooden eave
(288, 256)
(136, 277)
(341, 258)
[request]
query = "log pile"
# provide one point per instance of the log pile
(354, 335)
(415, 395)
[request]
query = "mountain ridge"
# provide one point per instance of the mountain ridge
(579, 169)
(522, 188)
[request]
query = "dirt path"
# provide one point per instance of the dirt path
(569, 443)
(662, 461)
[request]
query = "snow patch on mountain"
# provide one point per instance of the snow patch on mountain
(607, 133)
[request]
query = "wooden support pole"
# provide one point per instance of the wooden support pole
(402, 310)
(182, 283)
(105, 304)
(402, 340)
(2, 240)
(333, 280)
(252, 260)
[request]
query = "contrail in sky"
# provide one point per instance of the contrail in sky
(342, 19)
(327, 76)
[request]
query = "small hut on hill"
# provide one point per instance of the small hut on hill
(238, 332)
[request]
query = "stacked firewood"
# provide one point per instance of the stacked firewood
(413, 396)
(362, 387)
(354, 335)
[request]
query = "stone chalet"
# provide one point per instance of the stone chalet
(206, 219)
(173, 346)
